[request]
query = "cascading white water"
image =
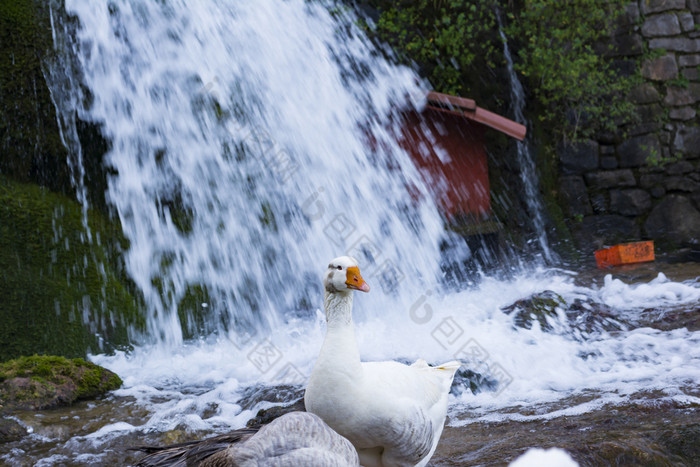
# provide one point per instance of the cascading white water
(528, 173)
(251, 146)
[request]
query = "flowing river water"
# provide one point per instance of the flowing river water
(252, 142)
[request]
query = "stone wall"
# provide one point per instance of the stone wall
(643, 182)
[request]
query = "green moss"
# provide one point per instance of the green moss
(53, 380)
(30, 141)
(63, 293)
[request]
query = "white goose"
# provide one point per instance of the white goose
(392, 413)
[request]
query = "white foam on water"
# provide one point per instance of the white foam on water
(544, 374)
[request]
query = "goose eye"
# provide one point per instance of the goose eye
(340, 268)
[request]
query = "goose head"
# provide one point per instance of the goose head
(343, 276)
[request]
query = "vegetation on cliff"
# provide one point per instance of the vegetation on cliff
(30, 141)
(63, 291)
(576, 88)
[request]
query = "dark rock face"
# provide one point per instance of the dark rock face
(635, 152)
(572, 189)
(674, 218)
(596, 231)
(647, 179)
(579, 157)
(610, 178)
(632, 202)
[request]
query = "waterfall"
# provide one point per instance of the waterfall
(528, 172)
(251, 142)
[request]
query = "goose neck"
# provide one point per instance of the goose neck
(338, 307)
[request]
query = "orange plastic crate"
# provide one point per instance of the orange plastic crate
(626, 253)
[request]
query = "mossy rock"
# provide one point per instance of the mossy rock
(32, 150)
(64, 290)
(42, 382)
(538, 307)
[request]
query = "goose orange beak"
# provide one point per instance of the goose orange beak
(355, 280)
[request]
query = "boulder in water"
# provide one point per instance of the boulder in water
(42, 382)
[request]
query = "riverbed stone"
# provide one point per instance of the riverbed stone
(638, 151)
(666, 24)
(630, 202)
(661, 68)
(610, 178)
(572, 190)
(676, 219)
(579, 157)
(658, 6)
(11, 430)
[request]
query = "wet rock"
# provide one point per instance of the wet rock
(11, 430)
(586, 316)
(475, 382)
(539, 307)
(675, 219)
(41, 382)
(276, 394)
(632, 434)
(265, 416)
(683, 442)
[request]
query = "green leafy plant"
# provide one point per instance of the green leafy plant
(559, 54)
(566, 67)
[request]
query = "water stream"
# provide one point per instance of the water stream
(251, 143)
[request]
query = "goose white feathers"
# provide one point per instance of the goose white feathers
(392, 413)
